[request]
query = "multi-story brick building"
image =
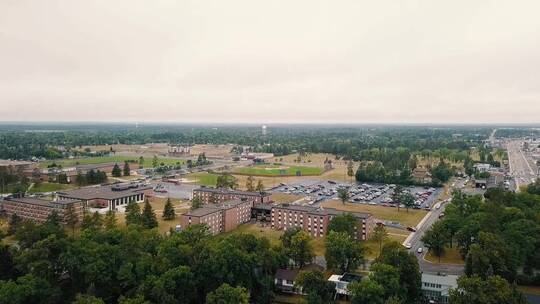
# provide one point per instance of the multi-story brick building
(219, 217)
(315, 220)
(220, 195)
(110, 196)
(38, 209)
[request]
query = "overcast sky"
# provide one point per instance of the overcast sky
(270, 61)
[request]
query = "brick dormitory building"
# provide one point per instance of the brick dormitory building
(37, 209)
(222, 217)
(220, 195)
(109, 196)
(315, 220)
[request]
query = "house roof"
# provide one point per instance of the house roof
(104, 192)
(286, 274)
(447, 280)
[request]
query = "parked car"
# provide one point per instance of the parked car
(411, 229)
(408, 246)
(420, 250)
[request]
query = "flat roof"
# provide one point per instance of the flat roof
(103, 192)
(448, 280)
(321, 210)
(41, 202)
(211, 208)
(8, 162)
(228, 191)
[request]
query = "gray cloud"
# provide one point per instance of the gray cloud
(270, 61)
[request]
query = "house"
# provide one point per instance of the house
(343, 281)
(482, 167)
(221, 195)
(436, 288)
(109, 196)
(315, 220)
(421, 175)
(219, 218)
(38, 210)
(284, 279)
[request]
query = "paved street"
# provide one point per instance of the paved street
(522, 167)
(415, 240)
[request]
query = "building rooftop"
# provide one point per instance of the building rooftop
(211, 208)
(447, 280)
(229, 191)
(321, 210)
(104, 192)
(41, 202)
(8, 162)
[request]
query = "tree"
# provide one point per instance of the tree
(249, 184)
(407, 200)
(343, 194)
(28, 289)
(493, 289)
(345, 222)
(87, 299)
(14, 223)
(395, 255)
(350, 169)
(314, 284)
(168, 210)
(196, 203)
(388, 277)
(343, 252)
(71, 217)
(110, 220)
(301, 250)
(226, 294)
(155, 161)
(260, 186)
(226, 181)
(436, 239)
(366, 292)
(148, 216)
(379, 235)
(133, 214)
(116, 172)
(396, 195)
(126, 170)
(141, 162)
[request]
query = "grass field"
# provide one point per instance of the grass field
(411, 218)
(180, 207)
(69, 162)
(49, 187)
(274, 170)
(203, 178)
(451, 256)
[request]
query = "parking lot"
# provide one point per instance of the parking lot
(360, 193)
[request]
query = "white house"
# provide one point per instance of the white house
(436, 288)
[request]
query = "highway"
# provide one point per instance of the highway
(522, 167)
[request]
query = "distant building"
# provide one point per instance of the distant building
(437, 287)
(285, 279)
(315, 220)
(110, 196)
(37, 209)
(219, 218)
(220, 195)
(421, 175)
(17, 165)
(179, 151)
(342, 282)
(264, 131)
(482, 167)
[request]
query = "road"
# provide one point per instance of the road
(415, 240)
(522, 167)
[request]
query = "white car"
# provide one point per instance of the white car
(420, 250)
(408, 246)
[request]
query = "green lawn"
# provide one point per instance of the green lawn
(204, 178)
(275, 170)
(49, 187)
(120, 159)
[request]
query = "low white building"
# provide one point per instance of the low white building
(343, 281)
(436, 288)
